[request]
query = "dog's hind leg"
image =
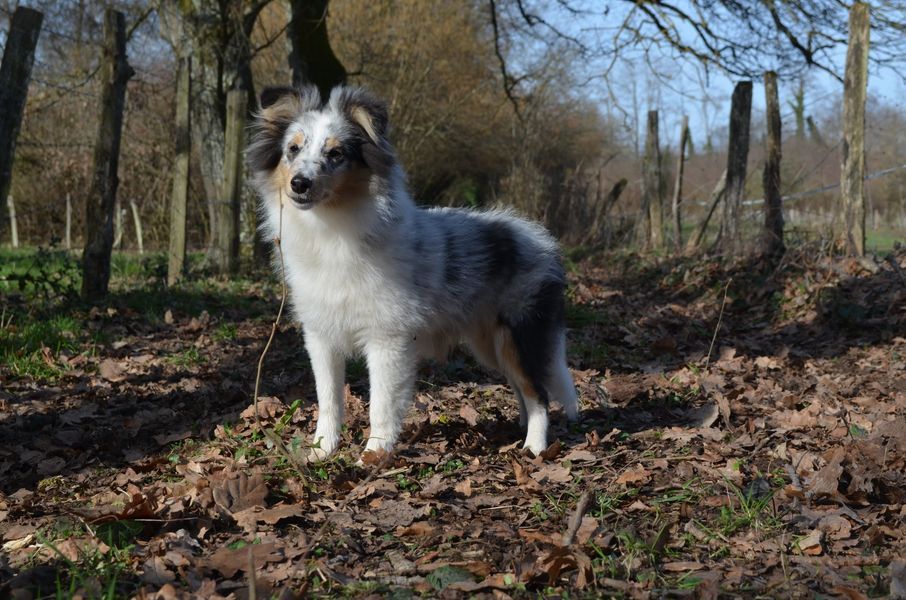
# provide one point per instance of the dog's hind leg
(328, 365)
(532, 398)
(391, 371)
(560, 383)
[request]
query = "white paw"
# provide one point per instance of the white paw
(536, 444)
(322, 447)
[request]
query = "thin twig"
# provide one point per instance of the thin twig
(253, 586)
(720, 319)
(267, 346)
(267, 433)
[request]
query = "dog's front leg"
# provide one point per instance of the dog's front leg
(328, 365)
(391, 370)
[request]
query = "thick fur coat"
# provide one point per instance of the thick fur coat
(371, 273)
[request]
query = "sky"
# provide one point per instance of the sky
(678, 87)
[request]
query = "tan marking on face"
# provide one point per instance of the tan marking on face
(298, 139)
(280, 177)
(508, 359)
(331, 143)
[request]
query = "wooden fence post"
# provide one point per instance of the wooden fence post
(68, 222)
(227, 239)
(652, 186)
(15, 73)
(772, 245)
(117, 226)
(115, 73)
(13, 224)
(852, 173)
(137, 220)
(179, 196)
(678, 185)
(737, 155)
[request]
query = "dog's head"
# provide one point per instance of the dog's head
(316, 153)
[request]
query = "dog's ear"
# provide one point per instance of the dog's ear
(295, 99)
(280, 106)
(364, 109)
(270, 95)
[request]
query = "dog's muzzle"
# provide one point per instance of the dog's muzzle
(301, 196)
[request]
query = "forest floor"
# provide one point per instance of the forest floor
(743, 434)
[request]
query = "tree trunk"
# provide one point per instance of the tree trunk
(852, 174)
(226, 249)
(217, 36)
(798, 106)
(773, 204)
(176, 255)
(603, 205)
(678, 186)
(115, 73)
(652, 186)
(15, 73)
(311, 58)
(737, 156)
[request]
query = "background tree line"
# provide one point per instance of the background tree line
(489, 102)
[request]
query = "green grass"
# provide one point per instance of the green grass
(42, 314)
(22, 345)
(94, 574)
(883, 240)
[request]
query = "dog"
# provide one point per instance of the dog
(371, 273)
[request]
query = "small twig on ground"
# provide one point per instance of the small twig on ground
(576, 520)
(720, 318)
(253, 586)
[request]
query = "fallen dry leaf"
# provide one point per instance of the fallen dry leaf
(112, 370)
(469, 414)
(636, 476)
(230, 561)
(238, 493)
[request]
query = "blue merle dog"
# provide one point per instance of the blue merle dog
(371, 273)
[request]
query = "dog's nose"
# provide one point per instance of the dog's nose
(300, 184)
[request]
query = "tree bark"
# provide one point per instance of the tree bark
(852, 174)
(772, 244)
(15, 73)
(226, 254)
(652, 186)
(678, 186)
(217, 35)
(115, 73)
(597, 230)
(737, 156)
(311, 58)
(176, 255)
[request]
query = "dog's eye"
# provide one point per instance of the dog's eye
(335, 154)
(293, 148)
